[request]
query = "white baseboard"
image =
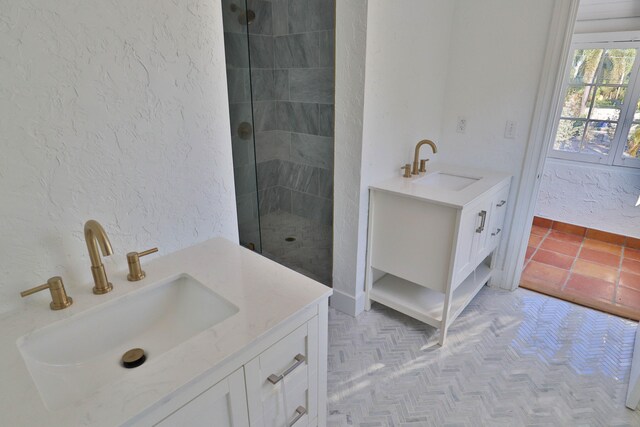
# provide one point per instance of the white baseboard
(346, 303)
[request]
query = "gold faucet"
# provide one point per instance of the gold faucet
(94, 234)
(416, 156)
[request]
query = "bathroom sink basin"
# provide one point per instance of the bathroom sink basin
(73, 357)
(446, 181)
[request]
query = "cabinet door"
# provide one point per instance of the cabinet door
(282, 383)
(224, 404)
(469, 236)
(498, 211)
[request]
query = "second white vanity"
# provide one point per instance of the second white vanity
(430, 241)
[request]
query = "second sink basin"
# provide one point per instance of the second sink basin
(446, 181)
(73, 357)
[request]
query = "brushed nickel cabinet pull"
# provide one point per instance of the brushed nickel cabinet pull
(501, 204)
(300, 411)
(483, 215)
(275, 379)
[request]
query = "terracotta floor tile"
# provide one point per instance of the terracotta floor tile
(630, 280)
(565, 248)
(542, 222)
(628, 297)
(530, 251)
(540, 231)
(554, 258)
(544, 274)
(600, 257)
(590, 287)
(565, 237)
(602, 246)
(632, 253)
(569, 228)
(534, 240)
(631, 265)
(592, 269)
(604, 236)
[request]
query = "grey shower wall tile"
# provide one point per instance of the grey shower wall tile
(242, 150)
(281, 85)
(273, 145)
(261, 50)
(312, 150)
(297, 117)
(321, 15)
(239, 112)
(245, 179)
(296, 176)
(280, 15)
(284, 199)
(263, 23)
(325, 119)
(247, 210)
(274, 199)
(323, 179)
(326, 49)
(264, 116)
(298, 11)
(296, 51)
(236, 50)
(312, 207)
(311, 85)
(237, 84)
(262, 84)
(268, 174)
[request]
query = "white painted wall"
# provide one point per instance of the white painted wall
(351, 39)
(603, 198)
(493, 76)
(406, 58)
(115, 111)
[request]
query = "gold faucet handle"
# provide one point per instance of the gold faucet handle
(59, 296)
(423, 165)
(135, 269)
(407, 170)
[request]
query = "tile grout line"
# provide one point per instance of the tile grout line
(535, 250)
(570, 270)
(618, 276)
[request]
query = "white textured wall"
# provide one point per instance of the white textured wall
(351, 36)
(493, 76)
(115, 111)
(591, 196)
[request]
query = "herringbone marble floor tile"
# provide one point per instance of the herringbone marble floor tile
(511, 359)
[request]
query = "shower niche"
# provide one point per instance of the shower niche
(280, 77)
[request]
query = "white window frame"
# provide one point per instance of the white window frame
(630, 40)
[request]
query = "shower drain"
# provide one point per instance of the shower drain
(290, 239)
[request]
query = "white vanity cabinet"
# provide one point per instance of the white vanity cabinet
(284, 385)
(223, 405)
(429, 248)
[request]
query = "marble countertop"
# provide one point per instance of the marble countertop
(456, 199)
(266, 293)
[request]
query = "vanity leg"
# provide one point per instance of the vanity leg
(443, 336)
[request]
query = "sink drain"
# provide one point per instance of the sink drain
(290, 239)
(133, 358)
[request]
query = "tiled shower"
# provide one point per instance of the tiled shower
(280, 74)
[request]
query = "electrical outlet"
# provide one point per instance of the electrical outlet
(461, 127)
(510, 129)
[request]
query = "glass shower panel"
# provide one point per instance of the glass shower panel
(236, 43)
(291, 93)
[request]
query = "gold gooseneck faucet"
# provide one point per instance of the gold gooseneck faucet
(95, 235)
(414, 170)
